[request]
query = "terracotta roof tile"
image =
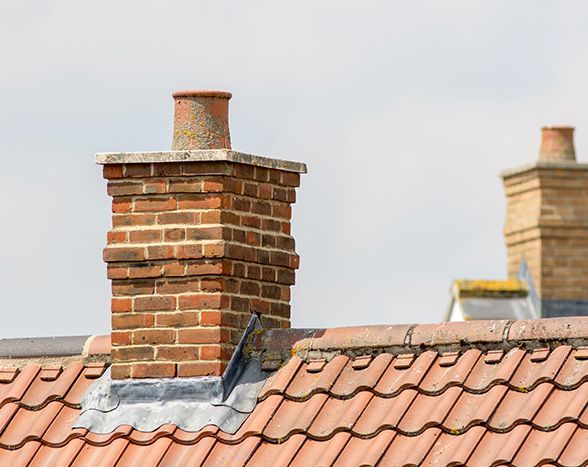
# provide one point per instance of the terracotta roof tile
(544, 446)
(273, 454)
(576, 452)
(396, 379)
(313, 453)
(497, 402)
(499, 448)
(410, 450)
(352, 379)
(365, 451)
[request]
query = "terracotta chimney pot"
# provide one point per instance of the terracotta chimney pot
(201, 120)
(557, 144)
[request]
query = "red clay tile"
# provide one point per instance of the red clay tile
(543, 446)
(472, 409)
(573, 372)
(576, 451)
(360, 337)
(448, 358)
(519, 407)
(7, 375)
(548, 329)
(7, 412)
(458, 332)
(305, 384)
(147, 437)
(439, 377)
(530, 373)
(15, 390)
(60, 430)
(180, 455)
(294, 417)
(454, 450)
(360, 451)
(395, 379)
(145, 456)
(428, 411)
(232, 455)
(59, 456)
(28, 425)
(581, 353)
(494, 356)
(98, 345)
(497, 448)
(362, 362)
(51, 372)
(279, 380)
(80, 386)
(562, 405)
(273, 454)
(188, 437)
(338, 415)
(409, 450)
(100, 456)
(485, 374)
(352, 380)
(540, 355)
(100, 439)
(318, 453)
(384, 413)
(315, 366)
(94, 370)
(404, 361)
(40, 391)
(257, 421)
(21, 456)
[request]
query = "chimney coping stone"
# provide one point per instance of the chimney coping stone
(543, 165)
(211, 155)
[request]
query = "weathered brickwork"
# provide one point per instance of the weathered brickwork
(195, 248)
(547, 223)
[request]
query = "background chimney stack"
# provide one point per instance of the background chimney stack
(200, 241)
(557, 144)
(547, 224)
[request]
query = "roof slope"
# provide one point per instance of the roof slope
(458, 393)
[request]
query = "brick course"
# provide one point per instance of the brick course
(195, 248)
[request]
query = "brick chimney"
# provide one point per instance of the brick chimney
(200, 240)
(546, 223)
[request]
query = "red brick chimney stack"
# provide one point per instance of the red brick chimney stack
(557, 144)
(200, 240)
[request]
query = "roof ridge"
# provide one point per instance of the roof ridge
(280, 344)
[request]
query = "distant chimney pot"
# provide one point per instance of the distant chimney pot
(557, 144)
(201, 120)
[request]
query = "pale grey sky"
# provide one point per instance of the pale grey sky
(405, 112)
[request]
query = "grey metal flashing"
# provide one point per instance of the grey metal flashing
(188, 403)
(543, 165)
(33, 347)
(560, 308)
(210, 155)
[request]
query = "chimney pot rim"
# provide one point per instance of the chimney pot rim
(202, 93)
(558, 127)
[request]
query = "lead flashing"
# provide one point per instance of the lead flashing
(211, 155)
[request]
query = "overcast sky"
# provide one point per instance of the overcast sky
(405, 112)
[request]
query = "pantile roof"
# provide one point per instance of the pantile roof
(477, 393)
